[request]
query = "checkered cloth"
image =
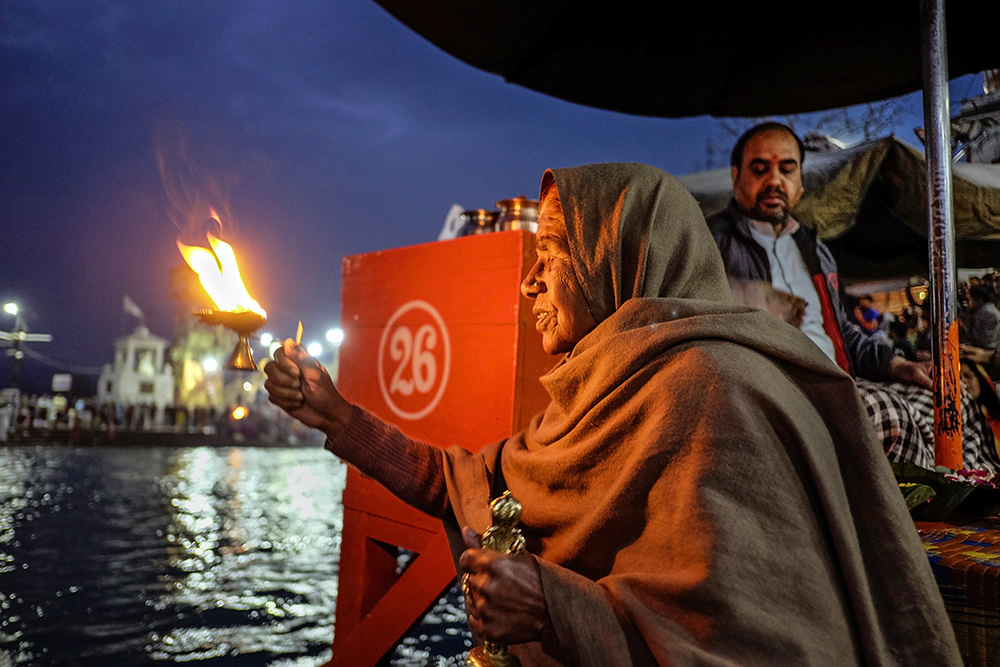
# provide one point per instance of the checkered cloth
(903, 416)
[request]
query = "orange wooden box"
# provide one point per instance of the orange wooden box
(439, 342)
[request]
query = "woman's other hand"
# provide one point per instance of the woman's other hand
(503, 593)
(299, 385)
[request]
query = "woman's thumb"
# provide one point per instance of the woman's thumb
(471, 538)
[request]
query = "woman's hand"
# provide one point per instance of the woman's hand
(503, 593)
(299, 385)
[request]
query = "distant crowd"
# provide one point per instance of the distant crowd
(910, 331)
(87, 420)
(904, 418)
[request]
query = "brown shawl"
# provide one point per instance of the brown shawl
(704, 486)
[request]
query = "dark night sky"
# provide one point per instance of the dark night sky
(334, 128)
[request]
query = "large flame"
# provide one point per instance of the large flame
(220, 275)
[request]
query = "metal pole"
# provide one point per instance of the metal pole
(941, 234)
(15, 377)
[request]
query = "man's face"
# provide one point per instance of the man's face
(561, 309)
(768, 183)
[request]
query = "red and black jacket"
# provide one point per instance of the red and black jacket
(858, 354)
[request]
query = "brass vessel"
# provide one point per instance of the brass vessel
(504, 536)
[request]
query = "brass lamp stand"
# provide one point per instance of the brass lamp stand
(503, 536)
(243, 323)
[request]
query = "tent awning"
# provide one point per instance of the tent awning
(740, 59)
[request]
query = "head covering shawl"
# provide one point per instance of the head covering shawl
(704, 486)
(641, 234)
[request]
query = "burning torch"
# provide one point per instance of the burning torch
(235, 309)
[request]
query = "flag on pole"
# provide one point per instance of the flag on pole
(132, 308)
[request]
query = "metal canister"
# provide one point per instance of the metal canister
(478, 221)
(518, 213)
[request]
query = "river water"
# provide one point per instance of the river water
(145, 556)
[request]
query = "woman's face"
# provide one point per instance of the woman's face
(971, 381)
(563, 317)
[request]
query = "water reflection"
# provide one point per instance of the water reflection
(115, 556)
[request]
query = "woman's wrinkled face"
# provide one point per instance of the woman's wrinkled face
(971, 381)
(563, 317)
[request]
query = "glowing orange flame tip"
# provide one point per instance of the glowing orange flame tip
(219, 273)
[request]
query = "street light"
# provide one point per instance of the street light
(18, 336)
(15, 335)
(335, 336)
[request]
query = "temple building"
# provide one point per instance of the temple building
(141, 374)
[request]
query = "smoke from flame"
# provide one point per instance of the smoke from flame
(191, 192)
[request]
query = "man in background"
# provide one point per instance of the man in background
(763, 244)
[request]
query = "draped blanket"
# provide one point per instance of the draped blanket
(903, 416)
(704, 487)
(698, 492)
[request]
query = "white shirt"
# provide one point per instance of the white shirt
(789, 273)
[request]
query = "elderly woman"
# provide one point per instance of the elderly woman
(703, 487)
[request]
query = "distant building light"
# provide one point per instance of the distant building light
(247, 386)
(239, 412)
(314, 349)
(335, 336)
(265, 339)
(210, 365)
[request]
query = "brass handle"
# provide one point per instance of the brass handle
(504, 536)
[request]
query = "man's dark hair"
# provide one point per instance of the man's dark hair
(981, 292)
(736, 157)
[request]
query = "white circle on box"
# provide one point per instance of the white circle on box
(415, 347)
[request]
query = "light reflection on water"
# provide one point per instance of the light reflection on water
(138, 556)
